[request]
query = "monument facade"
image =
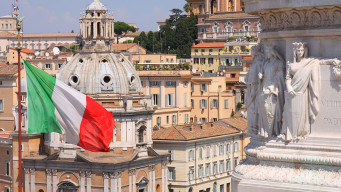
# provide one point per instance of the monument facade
(293, 105)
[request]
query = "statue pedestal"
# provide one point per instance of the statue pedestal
(312, 163)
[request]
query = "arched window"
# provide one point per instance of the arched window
(40, 190)
(215, 187)
(92, 29)
(190, 189)
(67, 186)
(99, 29)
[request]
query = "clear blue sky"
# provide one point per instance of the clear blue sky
(62, 15)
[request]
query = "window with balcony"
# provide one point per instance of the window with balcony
(210, 51)
(221, 167)
(171, 152)
(202, 51)
(201, 171)
(191, 173)
(196, 61)
(202, 30)
(186, 118)
(170, 101)
(203, 104)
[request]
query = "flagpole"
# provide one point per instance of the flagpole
(19, 23)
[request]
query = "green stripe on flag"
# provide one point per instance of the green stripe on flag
(41, 110)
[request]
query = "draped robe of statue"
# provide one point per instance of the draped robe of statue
(301, 110)
(252, 82)
(271, 98)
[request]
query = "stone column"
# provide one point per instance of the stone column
(48, 180)
(162, 94)
(33, 182)
(82, 181)
(134, 180)
(207, 7)
(153, 178)
(147, 87)
(150, 184)
(106, 182)
(88, 181)
(177, 96)
(235, 5)
(54, 180)
(163, 178)
(130, 181)
(124, 135)
(119, 183)
(218, 8)
(27, 179)
(113, 182)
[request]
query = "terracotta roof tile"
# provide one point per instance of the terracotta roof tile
(24, 50)
(8, 69)
(123, 47)
(197, 131)
(237, 122)
(209, 45)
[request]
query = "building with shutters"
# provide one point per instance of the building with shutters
(203, 156)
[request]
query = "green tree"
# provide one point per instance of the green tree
(128, 41)
(187, 7)
(122, 28)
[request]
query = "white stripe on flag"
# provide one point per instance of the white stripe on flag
(70, 106)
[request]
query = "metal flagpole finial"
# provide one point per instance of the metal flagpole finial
(19, 25)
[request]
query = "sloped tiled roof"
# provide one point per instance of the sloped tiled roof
(24, 50)
(209, 45)
(237, 122)
(123, 47)
(198, 131)
(8, 69)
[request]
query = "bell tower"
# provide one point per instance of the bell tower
(96, 27)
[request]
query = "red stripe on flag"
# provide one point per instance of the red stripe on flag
(97, 127)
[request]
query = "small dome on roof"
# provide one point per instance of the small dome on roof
(96, 5)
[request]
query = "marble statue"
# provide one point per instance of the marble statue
(252, 82)
(303, 82)
(270, 96)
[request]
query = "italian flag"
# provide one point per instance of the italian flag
(55, 107)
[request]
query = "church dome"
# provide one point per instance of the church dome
(96, 5)
(100, 73)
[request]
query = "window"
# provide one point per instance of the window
(191, 155)
(210, 60)
(174, 119)
(0, 82)
(158, 120)
(1, 105)
(207, 152)
(6, 26)
(235, 162)
(221, 167)
(171, 154)
(210, 51)
(47, 66)
(214, 103)
(141, 83)
(221, 149)
(186, 118)
(201, 9)
(246, 28)
(170, 100)
(236, 147)
(214, 119)
(208, 169)
(233, 75)
(228, 165)
(192, 103)
(154, 83)
(192, 87)
(202, 51)
(170, 83)
(58, 66)
(203, 120)
(222, 188)
(203, 87)
(214, 150)
(202, 60)
(7, 168)
(200, 153)
(185, 99)
(196, 51)
(167, 119)
(226, 103)
(215, 168)
(191, 173)
(228, 148)
(171, 173)
(196, 60)
(203, 103)
(201, 171)
(202, 30)
(141, 134)
(156, 99)
(7, 152)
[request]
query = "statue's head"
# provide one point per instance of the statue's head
(300, 51)
(256, 50)
(269, 51)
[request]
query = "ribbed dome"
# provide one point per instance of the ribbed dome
(96, 5)
(96, 73)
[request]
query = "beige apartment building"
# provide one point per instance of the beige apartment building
(153, 59)
(203, 156)
(12, 55)
(171, 95)
(209, 99)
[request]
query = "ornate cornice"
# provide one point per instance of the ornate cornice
(300, 18)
